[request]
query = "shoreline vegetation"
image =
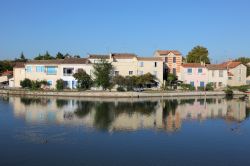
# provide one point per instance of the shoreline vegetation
(115, 94)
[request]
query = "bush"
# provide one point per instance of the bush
(201, 88)
(59, 84)
(187, 87)
(243, 88)
(35, 85)
(120, 89)
(26, 83)
(209, 87)
(229, 92)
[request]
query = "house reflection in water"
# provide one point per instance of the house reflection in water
(127, 114)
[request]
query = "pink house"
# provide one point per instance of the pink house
(195, 74)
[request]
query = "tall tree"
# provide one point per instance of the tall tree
(198, 54)
(59, 56)
(46, 56)
(245, 61)
(22, 58)
(84, 80)
(103, 74)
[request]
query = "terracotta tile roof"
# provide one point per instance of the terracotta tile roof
(123, 55)
(216, 67)
(7, 73)
(231, 64)
(95, 56)
(166, 52)
(193, 65)
(19, 65)
(60, 61)
(149, 58)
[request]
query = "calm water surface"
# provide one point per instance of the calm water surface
(114, 132)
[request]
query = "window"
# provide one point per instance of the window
(116, 73)
(192, 83)
(190, 71)
(68, 71)
(51, 70)
(200, 70)
(49, 82)
(40, 69)
(174, 59)
(220, 73)
(229, 78)
(212, 73)
(239, 79)
(174, 71)
(28, 69)
(140, 72)
(155, 64)
(220, 84)
(202, 84)
(166, 59)
(141, 64)
(130, 72)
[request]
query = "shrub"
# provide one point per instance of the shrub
(120, 89)
(35, 85)
(201, 88)
(229, 92)
(26, 83)
(84, 80)
(243, 88)
(209, 87)
(187, 87)
(59, 84)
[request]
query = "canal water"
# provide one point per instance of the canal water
(117, 132)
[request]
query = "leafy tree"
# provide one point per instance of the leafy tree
(171, 79)
(245, 61)
(119, 80)
(198, 54)
(103, 74)
(77, 56)
(84, 80)
(59, 84)
(59, 56)
(5, 65)
(26, 83)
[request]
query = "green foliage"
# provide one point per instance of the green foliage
(198, 54)
(209, 87)
(120, 89)
(171, 79)
(229, 93)
(21, 58)
(245, 61)
(46, 56)
(243, 88)
(200, 88)
(5, 65)
(84, 80)
(187, 87)
(130, 82)
(103, 74)
(60, 56)
(59, 84)
(119, 80)
(26, 83)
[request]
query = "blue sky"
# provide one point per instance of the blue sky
(137, 26)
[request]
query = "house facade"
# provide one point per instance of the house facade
(195, 74)
(217, 75)
(131, 65)
(172, 61)
(51, 71)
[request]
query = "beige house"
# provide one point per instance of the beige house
(131, 65)
(218, 75)
(51, 71)
(172, 60)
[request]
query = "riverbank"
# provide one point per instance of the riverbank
(106, 94)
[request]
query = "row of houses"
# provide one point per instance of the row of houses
(163, 62)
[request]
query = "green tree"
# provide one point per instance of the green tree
(198, 54)
(22, 58)
(59, 84)
(245, 61)
(46, 56)
(103, 74)
(6, 65)
(84, 80)
(59, 56)
(119, 80)
(26, 83)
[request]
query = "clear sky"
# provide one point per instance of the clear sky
(136, 26)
